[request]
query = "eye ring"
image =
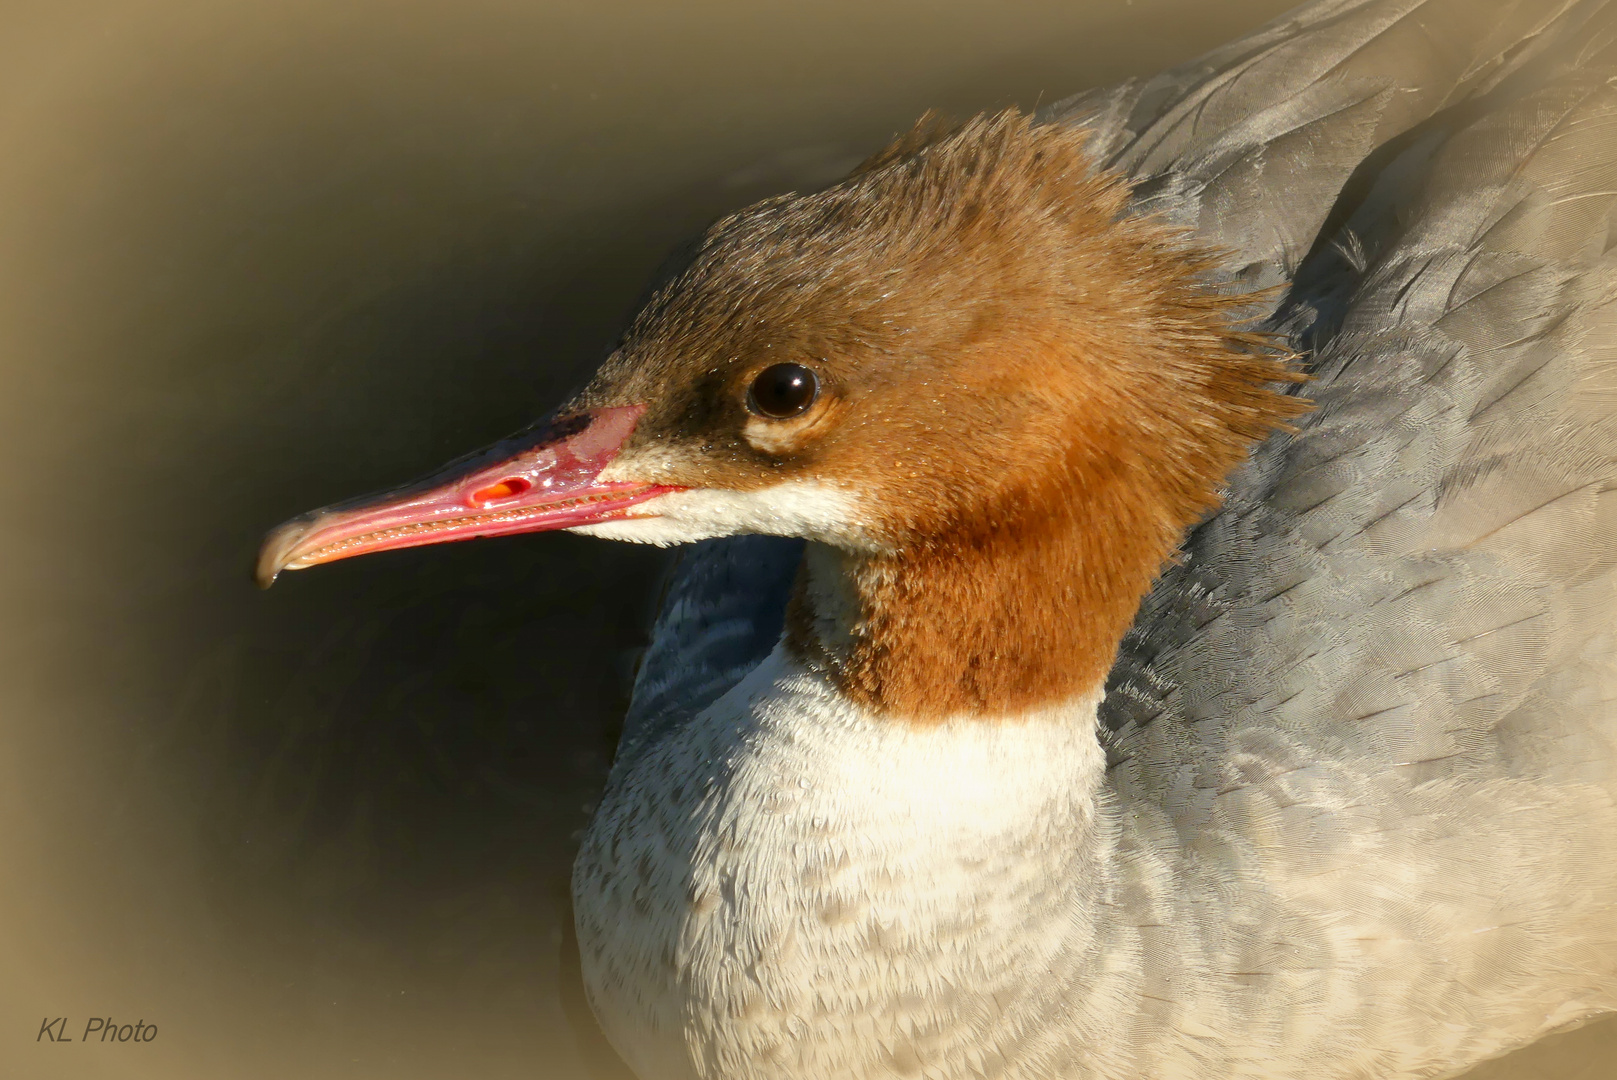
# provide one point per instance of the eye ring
(782, 391)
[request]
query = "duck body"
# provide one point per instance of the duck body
(1336, 814)
(792, 888)
(1049, 691)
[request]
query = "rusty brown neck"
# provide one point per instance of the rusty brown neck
(990, 625)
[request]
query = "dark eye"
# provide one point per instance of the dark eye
(783, 390)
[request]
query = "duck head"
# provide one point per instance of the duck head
(989, 396)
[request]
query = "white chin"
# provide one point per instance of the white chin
(805, 508)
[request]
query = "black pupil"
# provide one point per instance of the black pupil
(784, 390)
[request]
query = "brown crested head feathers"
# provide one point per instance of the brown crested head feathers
(1031, 391)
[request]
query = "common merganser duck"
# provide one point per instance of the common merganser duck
(1059, 687)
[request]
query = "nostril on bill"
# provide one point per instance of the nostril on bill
(505, 489)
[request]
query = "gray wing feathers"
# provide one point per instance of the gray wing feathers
(1402, 627)
(1460, 473)
(1250, 145)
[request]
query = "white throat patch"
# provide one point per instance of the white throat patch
(810, 509)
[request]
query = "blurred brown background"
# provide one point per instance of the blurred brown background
(255, 257)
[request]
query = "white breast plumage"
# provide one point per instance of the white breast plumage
(792, 861)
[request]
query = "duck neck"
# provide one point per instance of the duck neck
(991, 627)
